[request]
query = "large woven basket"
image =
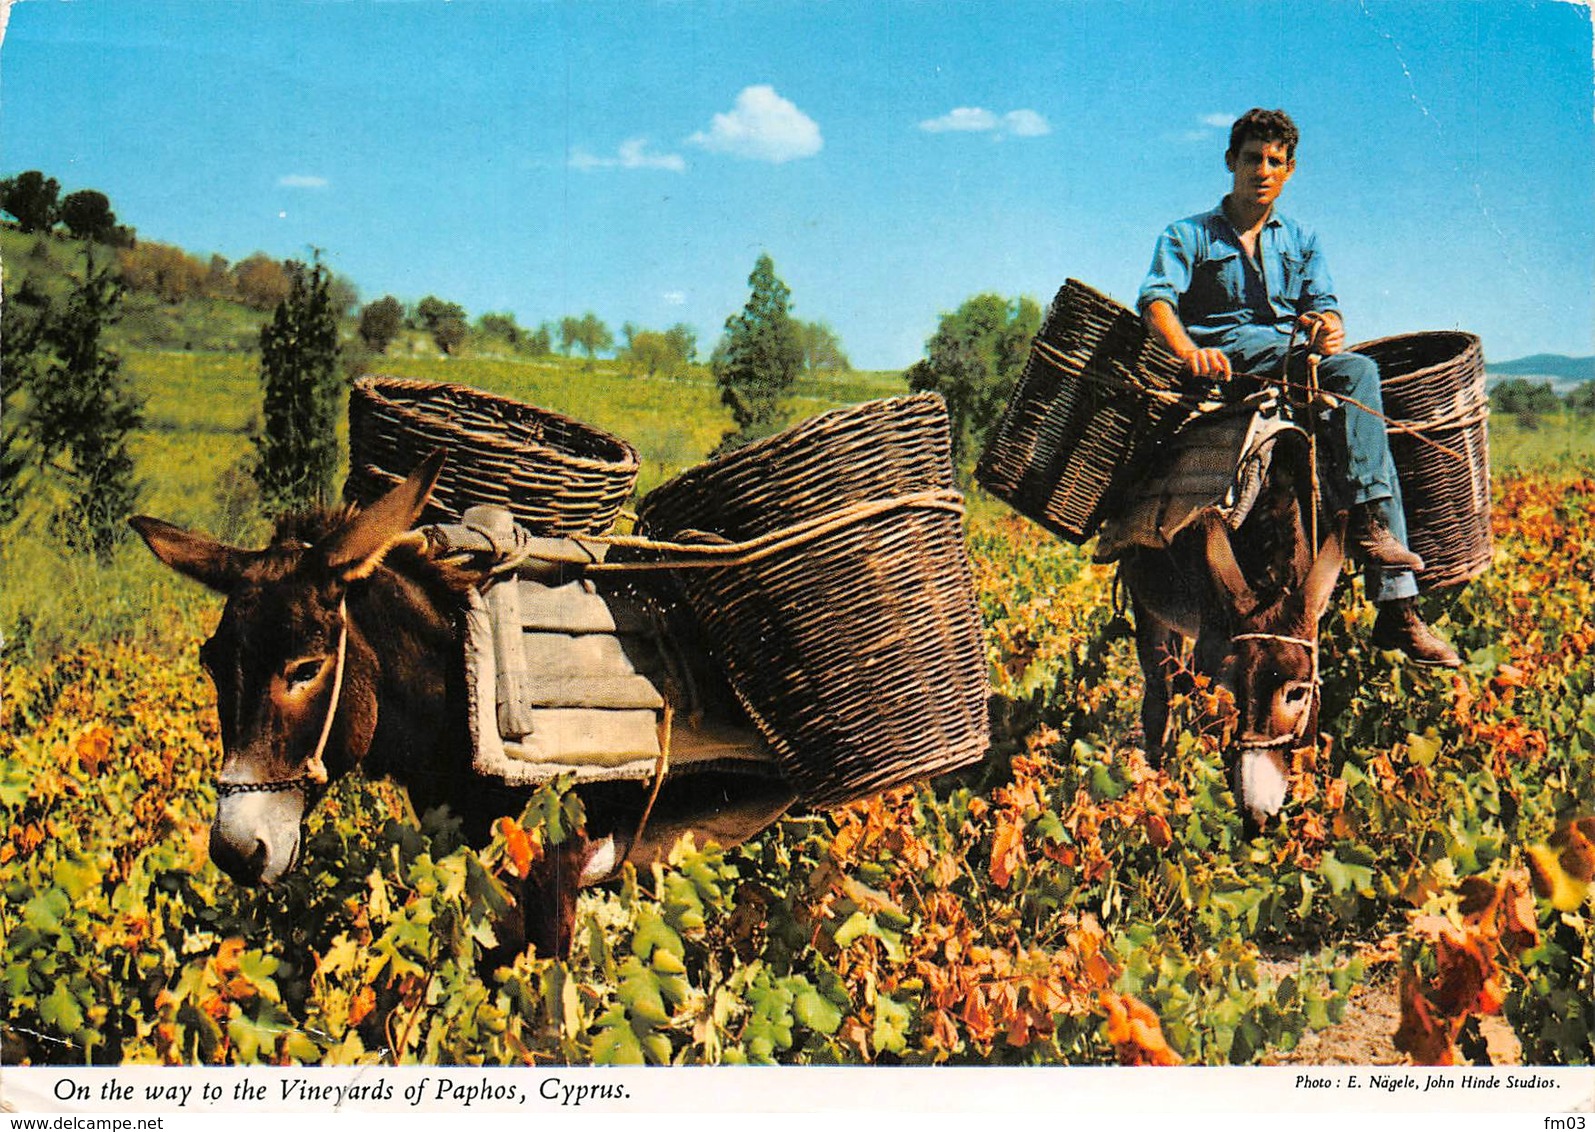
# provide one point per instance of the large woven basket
(1095, 400)
(1433, 385)
(859, 652)
(556, 475)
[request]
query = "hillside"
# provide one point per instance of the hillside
(1557, 367)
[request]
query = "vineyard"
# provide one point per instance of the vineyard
(1060, 903)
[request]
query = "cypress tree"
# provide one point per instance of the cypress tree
(296, 448)
(759, 357)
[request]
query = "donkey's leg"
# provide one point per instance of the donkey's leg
(1156, 646)
(548, 896)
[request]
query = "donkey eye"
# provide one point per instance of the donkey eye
(1297, 693)
(302, 672)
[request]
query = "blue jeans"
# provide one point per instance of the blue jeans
(1359, 448)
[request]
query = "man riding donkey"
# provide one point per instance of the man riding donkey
(1229, 291)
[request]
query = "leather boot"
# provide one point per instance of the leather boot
(1372, 543)
(1398, 625)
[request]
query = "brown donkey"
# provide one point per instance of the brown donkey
(1251, 605)
(338, 647)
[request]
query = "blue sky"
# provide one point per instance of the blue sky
(894, 158)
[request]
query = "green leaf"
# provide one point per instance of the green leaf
(892, 1020)
(61, 1010)
(812, 1009)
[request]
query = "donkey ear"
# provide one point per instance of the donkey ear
(196, 556)
(1225, 571)
(1320, 584)
(356, 548)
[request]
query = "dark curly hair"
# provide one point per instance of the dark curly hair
(1265, 125)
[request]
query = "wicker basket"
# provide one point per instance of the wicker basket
(556, 475)
(859, 652)
(1433, 382)
(1085, 415)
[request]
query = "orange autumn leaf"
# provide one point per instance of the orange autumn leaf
(363, 1003)
(1007, 850)
(1158, 832)
(519, 845)
(1135, 1031)
(94, 749)
(1426, 1039)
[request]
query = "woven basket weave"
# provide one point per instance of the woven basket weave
(1434, 382)
(1084, 415)
(859, 653)
(556, 475)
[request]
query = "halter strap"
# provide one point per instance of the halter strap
(315, 771)
(1312, 648)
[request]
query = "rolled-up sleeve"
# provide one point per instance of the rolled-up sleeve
(1318, 289)
(1169, 277)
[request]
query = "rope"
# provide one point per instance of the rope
(661, 768)
(315, 771)
(716, 555)
(1312, 649)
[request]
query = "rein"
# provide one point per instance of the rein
(315, 772)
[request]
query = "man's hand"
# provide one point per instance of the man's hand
(1325, 333)
(1207, 363)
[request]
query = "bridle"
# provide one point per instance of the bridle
(1317, 683)
(315, 772)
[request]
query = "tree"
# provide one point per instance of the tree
(24, 319)
(502, 327)
(822, 349)
(683, 341)
(163, 270)
(31, 198)
(261, 282)
(569, 332)
(540, 342)
(380, 323)
(1581, 399)
(651, 352)
(81, 412)
(590, 333)
(759, 356)
(296, 449)
(444, 321)
(87, 215)
(973, 361)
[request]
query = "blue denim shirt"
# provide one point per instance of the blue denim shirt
(1201, 270)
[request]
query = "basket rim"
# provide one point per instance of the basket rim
(374, 386)
(759, 449)
(1468, 345)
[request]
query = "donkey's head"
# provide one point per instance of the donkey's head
(295, 689)
(1266, 654)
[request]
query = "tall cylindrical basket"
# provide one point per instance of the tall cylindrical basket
(1433, 389)
(858, 650)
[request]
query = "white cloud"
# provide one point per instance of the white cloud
(301, 181)
(1025, 124)
(762, 126)
(965, 119)
(633, 154)
(1218, 121)
(674, 298)
(977, 120)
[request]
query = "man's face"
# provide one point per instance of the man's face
(1261, 169)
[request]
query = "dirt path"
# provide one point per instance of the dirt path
(1365, 1036)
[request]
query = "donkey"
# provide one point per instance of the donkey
(1251, 605)
(338, 647)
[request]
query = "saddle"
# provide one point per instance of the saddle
(1217, 460)
(567, 675)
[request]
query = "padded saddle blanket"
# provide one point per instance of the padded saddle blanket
(1217, 460)
(565, 676)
